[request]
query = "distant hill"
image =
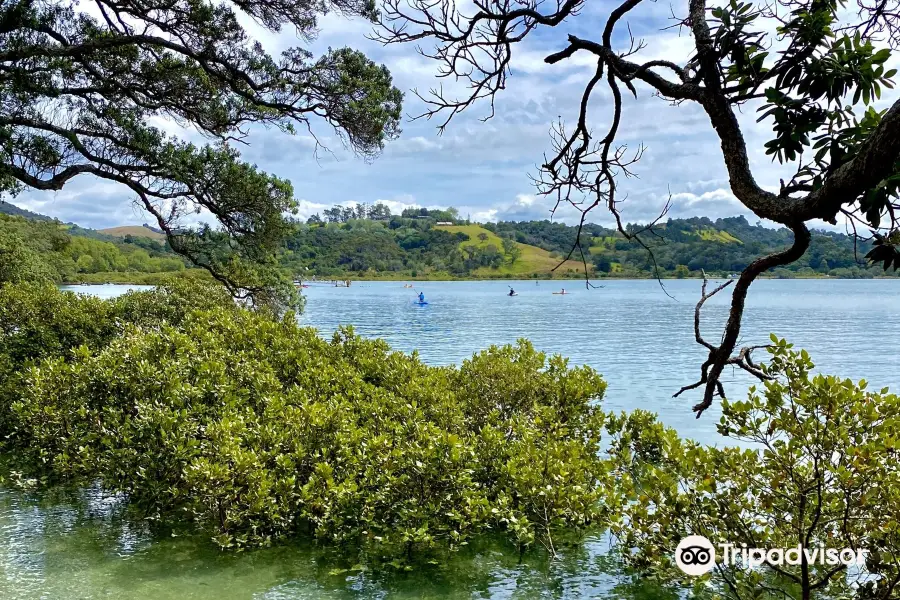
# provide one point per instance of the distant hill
(416, 245)
(11, 209)
(683, 247)
(134, 231)
(68, 253)
(144, 230)
(531, 259)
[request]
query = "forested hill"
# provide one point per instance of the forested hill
(11, 209)
(435, 244)
(682, 246)
(351, 242)
(42, 248)
(369, 241)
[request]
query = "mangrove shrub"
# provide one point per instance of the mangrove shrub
(816, 465)
(255, 428)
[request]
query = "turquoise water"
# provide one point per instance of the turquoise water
(632, 332)
(78, 546)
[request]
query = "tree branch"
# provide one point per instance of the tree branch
(720, 355)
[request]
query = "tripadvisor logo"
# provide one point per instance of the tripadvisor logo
(696, 555)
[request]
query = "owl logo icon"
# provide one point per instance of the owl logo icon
(695, 555)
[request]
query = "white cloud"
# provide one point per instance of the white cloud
(401, 203)
(527, 207)
(483, 168)
(306, 209)
(397, 205)
(484, 216)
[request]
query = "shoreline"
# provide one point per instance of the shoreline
(150, 281)
(580, 279)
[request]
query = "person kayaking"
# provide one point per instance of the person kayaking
(512, 292)
(421, 298)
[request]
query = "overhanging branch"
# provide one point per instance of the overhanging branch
(721, 355)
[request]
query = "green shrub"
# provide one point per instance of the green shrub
(20, 262)
(816, 465)
(255, 429)
(39, 321)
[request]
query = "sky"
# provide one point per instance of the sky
(483, 168)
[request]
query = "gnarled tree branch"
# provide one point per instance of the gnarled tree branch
(721, 355)
(853, 168)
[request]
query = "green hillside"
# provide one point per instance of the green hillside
(52, 251)
(473, 231)
(683, 247)
(370, 242)
(373, 243)
(134, 231)
(530, 260)
(11, 209)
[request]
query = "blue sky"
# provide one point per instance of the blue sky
(479, 167)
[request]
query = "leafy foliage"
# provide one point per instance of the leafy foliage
(885, 250)
(80, 89)
(816, 465)
(255, 428)
(58, 256)
(19, 261)
(38, 321)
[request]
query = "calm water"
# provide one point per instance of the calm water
(636, 336)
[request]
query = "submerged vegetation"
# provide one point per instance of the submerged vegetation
(254, 429)
(815, 466)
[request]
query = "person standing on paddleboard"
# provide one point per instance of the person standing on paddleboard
(421, 297)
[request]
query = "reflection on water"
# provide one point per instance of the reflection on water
(78, 545)
(81, 547)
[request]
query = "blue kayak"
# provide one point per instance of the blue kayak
(420, 303)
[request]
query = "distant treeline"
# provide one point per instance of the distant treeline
(685, 246)
(46, 249)
(380, 212)
(369, 239)
(407, 243)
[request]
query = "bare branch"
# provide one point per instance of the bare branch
(582, 169)
(721, 355)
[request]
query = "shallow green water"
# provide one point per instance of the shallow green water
(80, 546)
